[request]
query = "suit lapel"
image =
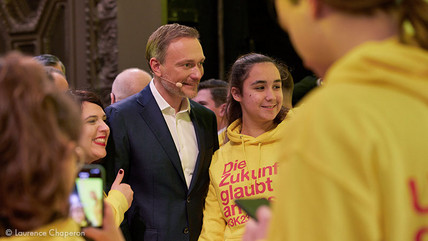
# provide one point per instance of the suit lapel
(200, 137)
(153, 117)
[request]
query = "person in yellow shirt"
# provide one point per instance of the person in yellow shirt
(247, 165)
(354, 163)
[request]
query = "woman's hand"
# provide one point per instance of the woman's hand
(109, 231)
(124, 188)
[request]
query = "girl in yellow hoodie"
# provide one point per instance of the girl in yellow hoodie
(247, 165)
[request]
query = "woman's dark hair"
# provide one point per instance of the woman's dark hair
(37, 126)
(240, 71)
(81, 96)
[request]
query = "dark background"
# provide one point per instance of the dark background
(97, 39)
(249, 26)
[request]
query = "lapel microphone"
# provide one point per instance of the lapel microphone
(178, 84)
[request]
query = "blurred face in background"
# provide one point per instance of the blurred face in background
(60, 82)
(205, 98)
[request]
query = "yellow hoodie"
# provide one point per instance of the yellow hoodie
(243, 167)
(354, 165)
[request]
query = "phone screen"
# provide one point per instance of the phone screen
(250, 206)
(86, 201)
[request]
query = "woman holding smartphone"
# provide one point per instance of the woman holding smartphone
(40, 130)
(95, 133)
(246, 165)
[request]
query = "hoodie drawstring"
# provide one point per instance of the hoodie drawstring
(257, 170)
(260, 157)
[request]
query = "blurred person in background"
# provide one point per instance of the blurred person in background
(51, 60)
(129, 82)
(57, 77)
(212, 94)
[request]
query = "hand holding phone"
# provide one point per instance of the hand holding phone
(256, 230)
(108, 232)
(86, 201)
(250, 206)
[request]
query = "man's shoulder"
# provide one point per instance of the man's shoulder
(130, 103)
(121, 106)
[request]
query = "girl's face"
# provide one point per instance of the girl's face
(261, 95)
(95, 131)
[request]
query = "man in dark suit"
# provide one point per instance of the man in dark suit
(164, 141)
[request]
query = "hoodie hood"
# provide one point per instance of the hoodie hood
(385, 63)
(253, 148)
(235, 136)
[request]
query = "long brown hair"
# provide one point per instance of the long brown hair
(81, 96)
(37, 126)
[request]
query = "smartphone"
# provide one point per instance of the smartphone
(250, 206)
(86, 201)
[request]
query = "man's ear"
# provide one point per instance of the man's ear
(236, 94)
(222, 111)
(318, 9)
(155, 65)
(112, 98)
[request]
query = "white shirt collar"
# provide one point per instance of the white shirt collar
(162, 102)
